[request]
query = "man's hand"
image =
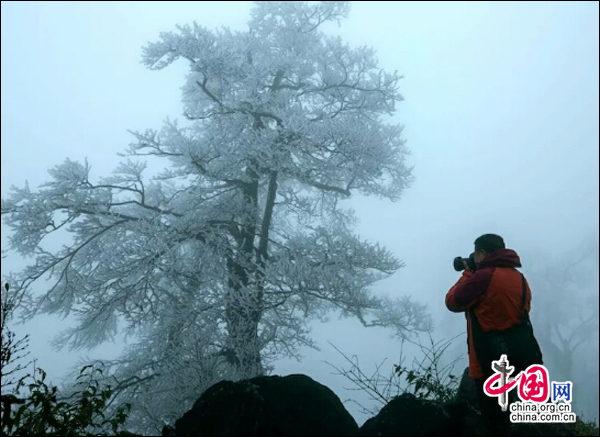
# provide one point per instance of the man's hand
(466, 265)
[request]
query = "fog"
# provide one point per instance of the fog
(500, 113)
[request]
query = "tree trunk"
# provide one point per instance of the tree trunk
(244, 302)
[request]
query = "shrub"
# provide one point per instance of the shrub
(43, 411)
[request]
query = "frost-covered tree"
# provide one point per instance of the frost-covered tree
(217, 264)
(566, 318)
(563, 329)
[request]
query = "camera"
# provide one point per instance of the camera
(459, 266)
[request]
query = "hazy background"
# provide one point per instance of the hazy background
(500, 112)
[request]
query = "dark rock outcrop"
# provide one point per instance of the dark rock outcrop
(267, 406)
(407, 415)
(298, 405)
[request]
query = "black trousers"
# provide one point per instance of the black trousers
(496, 421)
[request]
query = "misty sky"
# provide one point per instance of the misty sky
(500, 113)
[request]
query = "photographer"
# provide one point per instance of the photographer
(495, 298)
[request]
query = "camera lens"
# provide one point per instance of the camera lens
(458, 264)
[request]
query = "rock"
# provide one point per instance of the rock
(407, 415)
(543, 429)
(267, 406)
(298, 405)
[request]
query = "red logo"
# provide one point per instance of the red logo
(534, 383)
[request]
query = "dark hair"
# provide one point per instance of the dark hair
(490, 243)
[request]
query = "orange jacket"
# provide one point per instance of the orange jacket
(495, 290)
